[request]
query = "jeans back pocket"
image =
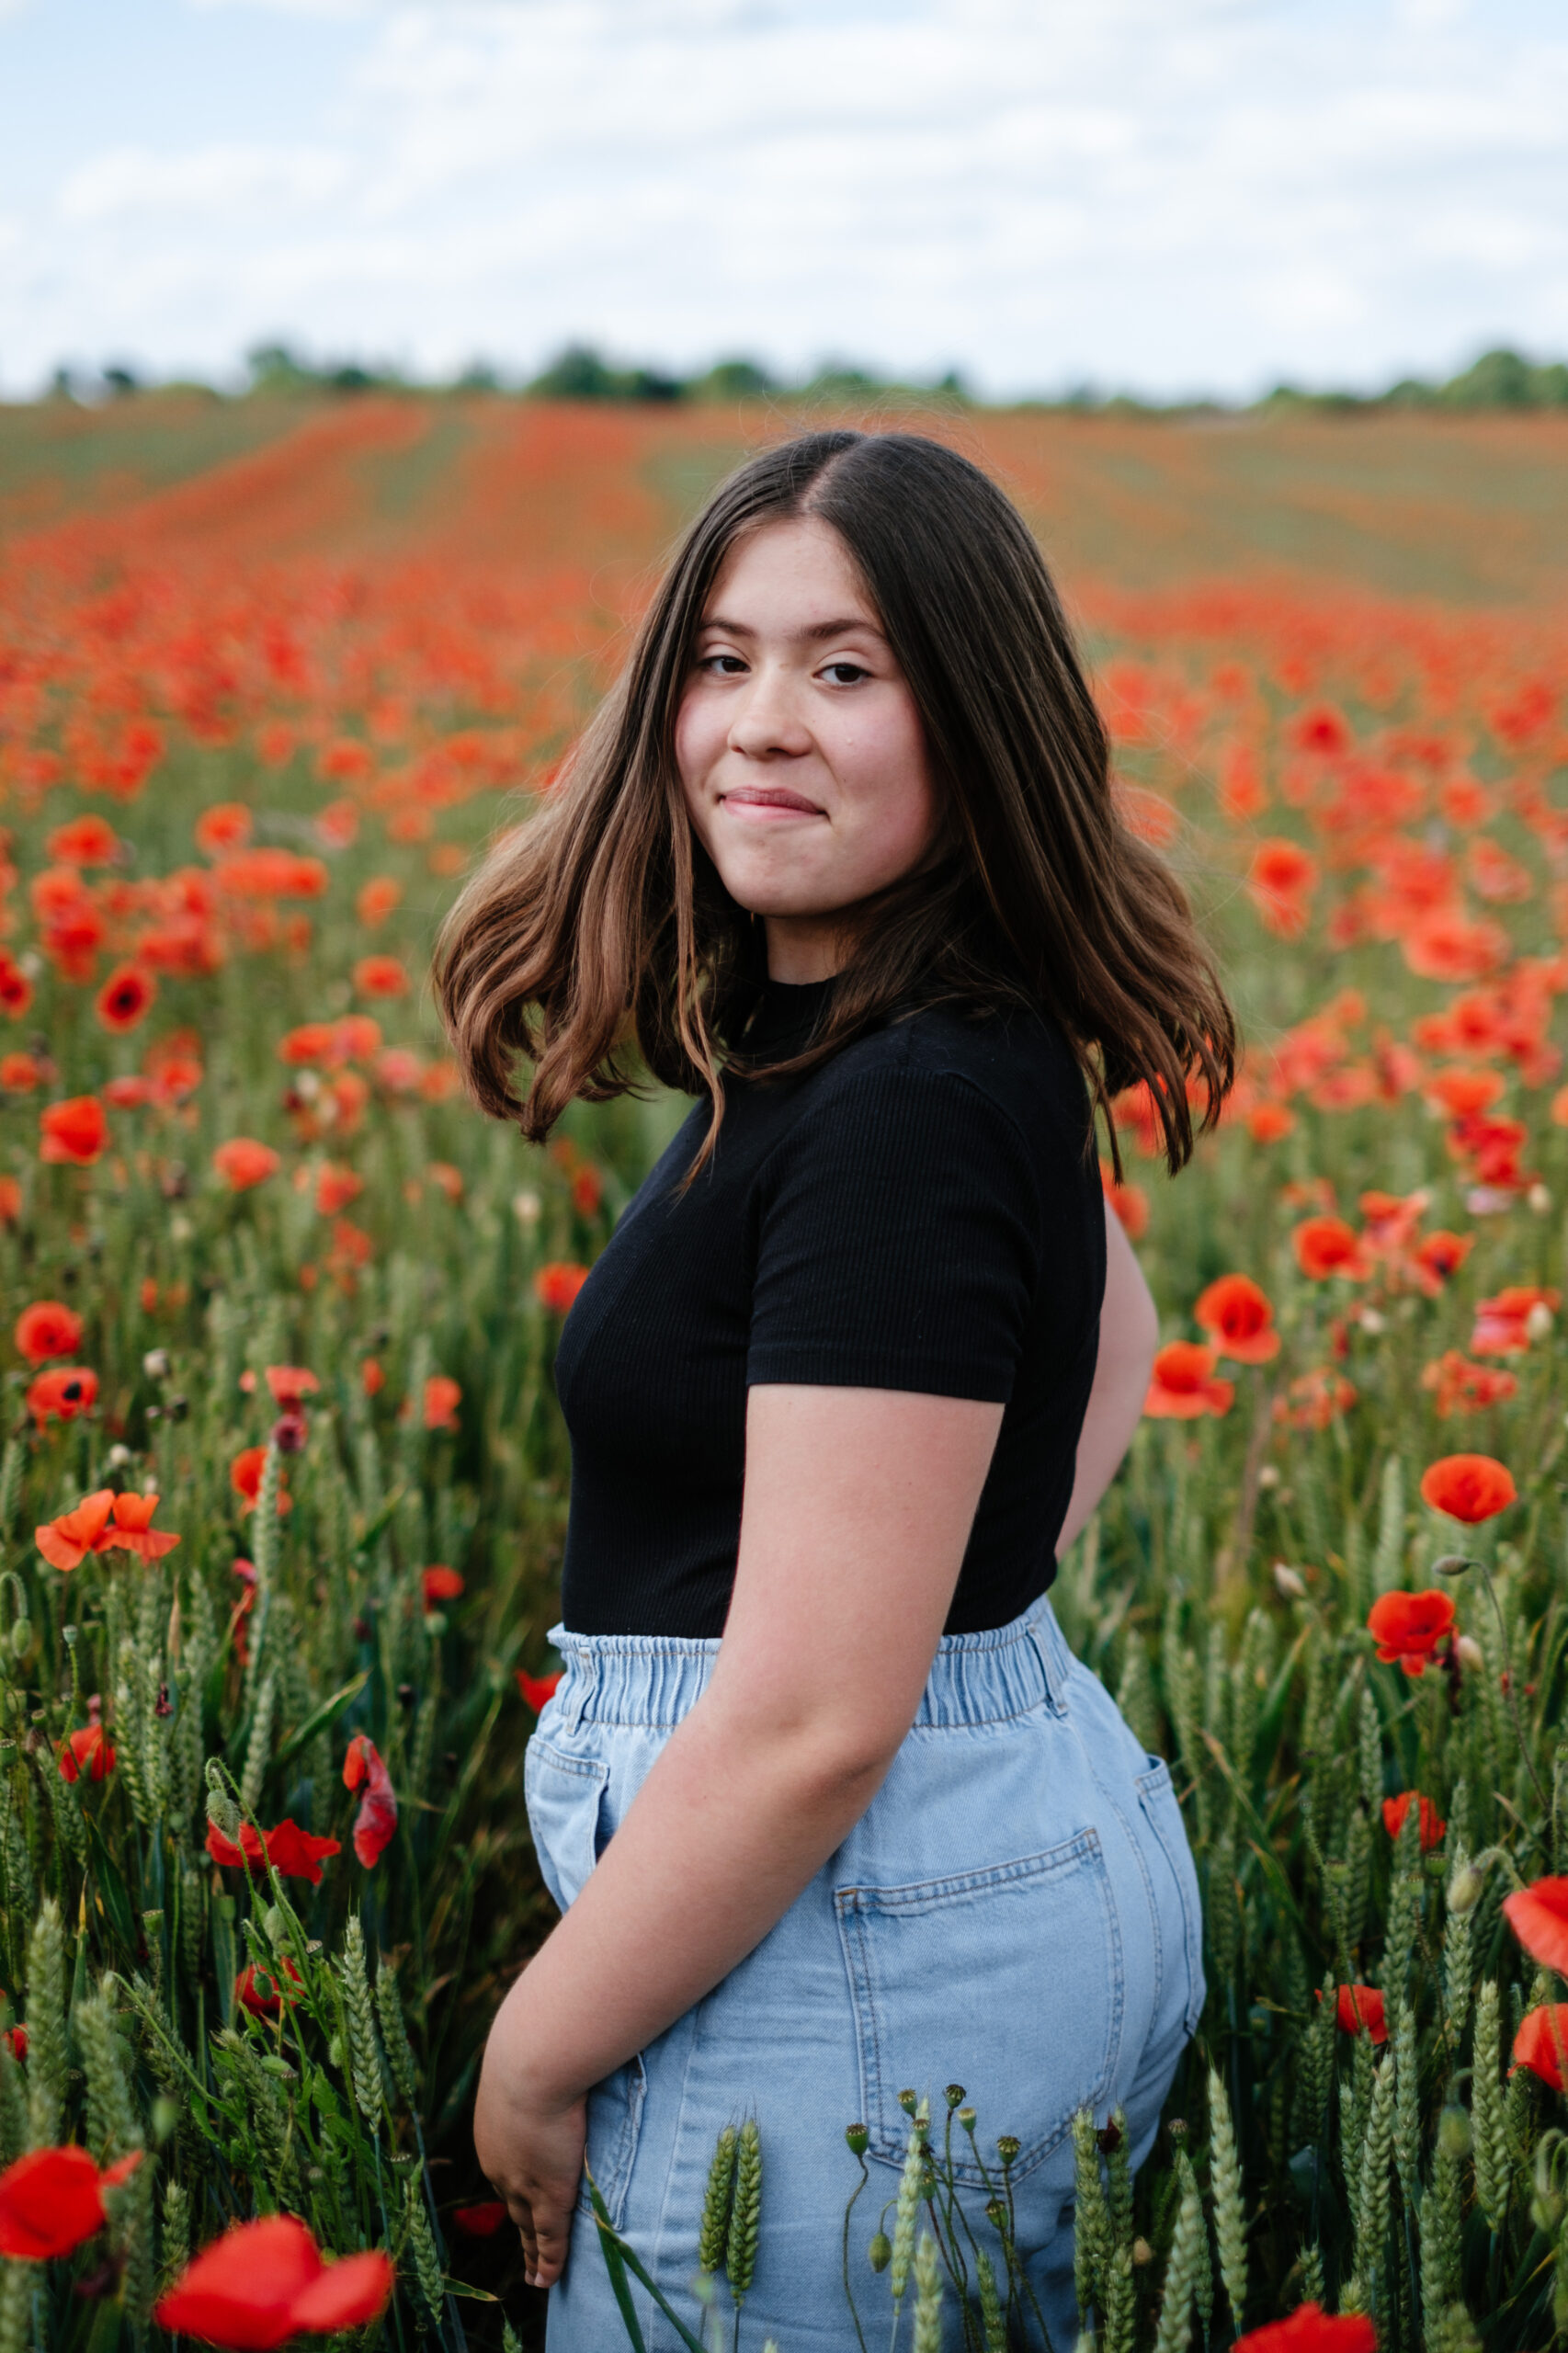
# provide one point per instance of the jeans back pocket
(562, 1795)
(1161, 1810)
(1009, 1980)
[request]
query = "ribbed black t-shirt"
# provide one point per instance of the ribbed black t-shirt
(916, 1212)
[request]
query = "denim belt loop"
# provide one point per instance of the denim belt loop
(1050, 1649)
(580, 1683)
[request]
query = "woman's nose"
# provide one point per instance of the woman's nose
(769, 723)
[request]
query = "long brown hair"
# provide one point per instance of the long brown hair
(600, 931)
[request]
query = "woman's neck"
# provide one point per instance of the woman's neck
(802, 949)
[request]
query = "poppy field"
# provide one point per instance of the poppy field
(283, 1484)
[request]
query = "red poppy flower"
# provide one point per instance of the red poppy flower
(372, 1378)
(126, 998)
(53, 2199)
(66, 1541)
(131, 1529)
(1309, 2329)
(1409, 1626)
(241, 1163)
(337, 1185)
(556, 1286)
(1441, 1254)
(1314, 1398)
(85, 1755)
(244, 1477)
(1464, 1388)
(289, 1383)
(441, 1585)
(1503, 1325)
(15, 989)
(1542, 2042)
(19, 1074)
(1432, 1822)
(537, 1689)
(1326, 1245)
(1360, 2010)
(311, 1042)
(1470, 1487)
(225, 826)
(1539, 1916)
(263, 2282)
(376, 899)
(10, 1200)
(1183, 1384)
(128, 1094)
(296, 1853)
(60, 1395)
(442, 1396)
(73, 1132)
(479, 2221)
(1271, 1122)
(376, 1821)
(263, 1992)
(83, 841)
(1238, 1318)
(48, 1329)
(381, 976)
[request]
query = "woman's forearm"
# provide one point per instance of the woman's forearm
(727, 1829)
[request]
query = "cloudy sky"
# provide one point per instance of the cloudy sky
(1161, 195)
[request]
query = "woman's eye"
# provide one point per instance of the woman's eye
(844, 674)
(721, 665)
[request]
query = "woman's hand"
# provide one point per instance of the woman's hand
(530, 2146)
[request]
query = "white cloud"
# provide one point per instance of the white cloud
(208, 179)
(1167, 193)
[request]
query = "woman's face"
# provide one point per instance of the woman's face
(800, 752)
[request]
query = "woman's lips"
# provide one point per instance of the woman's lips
(770, 800)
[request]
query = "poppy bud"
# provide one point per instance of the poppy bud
(276, 1925)
(1469, 1653)
(21, 1635)
(1453, 2133)
(1452, 1565)
(155, 1364)
(1464, 1889)
(879, 2252)
(858, 2137)
(955, 2095)
(289, 1432)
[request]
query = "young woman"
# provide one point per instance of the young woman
(829, 1807)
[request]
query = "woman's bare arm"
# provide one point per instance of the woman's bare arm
(1130, 1334)
(857, 1510)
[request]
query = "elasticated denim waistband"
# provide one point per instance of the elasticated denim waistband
(975, 1678)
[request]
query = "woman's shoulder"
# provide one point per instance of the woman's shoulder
(1013, 1067)
(1018, 1056)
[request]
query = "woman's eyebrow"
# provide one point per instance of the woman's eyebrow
(815, 631)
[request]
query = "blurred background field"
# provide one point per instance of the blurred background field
(271, 671)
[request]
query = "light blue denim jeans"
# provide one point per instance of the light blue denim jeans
(1017, 1911)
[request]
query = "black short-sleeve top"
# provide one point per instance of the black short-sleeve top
(916, 1212)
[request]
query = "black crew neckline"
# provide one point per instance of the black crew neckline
(787, 1013)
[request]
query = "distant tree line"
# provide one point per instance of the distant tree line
(1499, 379)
